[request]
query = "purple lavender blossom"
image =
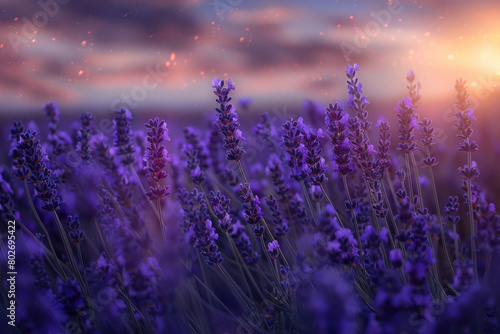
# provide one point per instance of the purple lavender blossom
(298, 211)
(315, 162)
(332, 304)
(244, 102)
(192, 137)
(396, 258)
(273, 249)
(357, 101)
(328, 223)
(384, 145)
(243, 243)
(451, 210)
(253, 214)
(269, 314)
(42, 281)
(275, 170)
(389, 305)
(371, 245)
(193, 164)
(75, 234)
(314, 111)
(220, 205)
(287, 281)
(344, 248)
(295, 150)
(60, 141)
(419, 258)
(363, 154)
(428, 141)
(278, 219)
(156, 158)
(70, 296)
(203, 232)
(406, 118)
(227, 120)
(337, 129)
(30, 162)
(15, 132)
(122, 136)
(266, 132)
(464, 274)
(84, 137)
(413, 90)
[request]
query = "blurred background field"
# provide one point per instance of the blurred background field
(157, 58)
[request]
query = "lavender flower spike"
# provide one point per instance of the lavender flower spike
(273, 249)
(52, 111)
(84, 137)
(75, 235)
(357, 101)
(156, 157)
(407, 123)
(29, 161)
(220, 205)
(335, 121)
(293, 142)
(123, 136)
(315, 162)
(227, 120)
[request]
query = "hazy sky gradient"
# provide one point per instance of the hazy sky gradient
(94, 55)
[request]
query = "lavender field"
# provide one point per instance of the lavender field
(357, 201)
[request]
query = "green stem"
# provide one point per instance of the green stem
(42, 226)
(242, 172)
(80, 257)
(358, 234)
(289, 245)
(391, 214)
(221, 303)
(471, 219)
(455, 237)
(71, 257)
(131, 308)
(162, 224)
(331, 203)
(417, 179)
(139, 183)
(203, 274)
(440, 221)
(264, 250)
(47, 251)
(391, 185)
(308, 200)
(243, 298)
(377, 224)
(241, 264)
(409, 178)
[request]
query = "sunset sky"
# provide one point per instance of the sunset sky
(99, 55)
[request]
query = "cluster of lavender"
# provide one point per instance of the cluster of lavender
(321, 232)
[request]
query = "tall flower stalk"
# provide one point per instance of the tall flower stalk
(429, 162)
(407, 123)
(465, 116)
(156, 158)
(227, 120)
(296, 152)
(357, 101)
